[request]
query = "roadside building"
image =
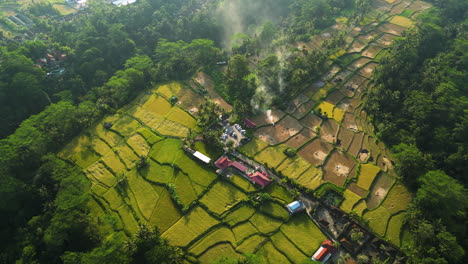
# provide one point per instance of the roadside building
(260, 179)
(249, 123)
(324, 253)
(295, 207)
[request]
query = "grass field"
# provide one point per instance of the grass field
(251, 244)
(221, 197)
(271, 255)
(157, 105)
(180, 116)
(189, 227)
(244, 230)
(113, 162)
(271, 156)
(241, 214)
(311, 179)
(221, 234)
(279, 192)
(99, 146)
(185, 189)
(350, 199)
(360, 207)
(166, 151)
(378, 219)
(367, 175)
(100, 173)
(149, 136)
(402, 21)
(165, 212)
(253, 147)
(113, 198)
(265, 224)
(64, 9)
(242, 183)
(156, 172)
(398, 199)
(301, 231)
(215, 253)
(293, 167)
(394, 228)
(127, 155)
(144, 193)
(274, 210)
(139, 144)
(126, 126)
(285, 246)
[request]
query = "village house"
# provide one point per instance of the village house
(325, 251)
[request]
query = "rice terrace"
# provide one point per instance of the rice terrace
(208, 215)
(229, 132)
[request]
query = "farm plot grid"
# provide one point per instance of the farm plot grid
(207, 216)
(333, 138)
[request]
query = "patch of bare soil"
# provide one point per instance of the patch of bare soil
(356, 145)
(338, 167)
(345, 137)
(372, 50)
(380, 187)
(335, 97)
(316, 151)
(298, 101)
(312, 122)
(367, 70)
(329, 130)
(391, 29)
(301, 138)
(269, 117)
(280, 132)
(357, 190)
(205, 80)
(303, 110)
(386, 39)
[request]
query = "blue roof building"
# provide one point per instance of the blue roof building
(295, 207)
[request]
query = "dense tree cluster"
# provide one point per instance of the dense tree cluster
(419, 107)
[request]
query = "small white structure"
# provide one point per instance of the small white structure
(202, 157)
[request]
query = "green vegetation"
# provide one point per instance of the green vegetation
(367, 174)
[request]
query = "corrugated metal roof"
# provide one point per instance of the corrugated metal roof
(202, 157)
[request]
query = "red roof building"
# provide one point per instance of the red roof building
(249, 123)
(325, 251)
(260, 179)
(239, 166)
(223, 163)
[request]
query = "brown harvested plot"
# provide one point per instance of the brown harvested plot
(357, 80)
(345, 137)
(367, 70)
(280, 132)
(148, 118)
(372, 50)
(338, 167)
(316, 151)
(303, 110)
(332, 72)
(99, 172)
(188, 99)
(312, 122)
(205, 80)
(382, 183)
(298, 101)
(357, 46)
(397, 9)
(419, 5)
(392, 29)
(374, 149)
(127, 155)
(301, 138)
(269, 117)
(386, 39)
(138, 144)
(329, 130)
(357, 190)
(335, 97)
(157, 105)
(350, 123)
